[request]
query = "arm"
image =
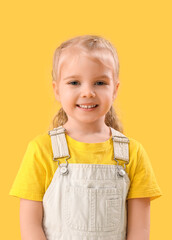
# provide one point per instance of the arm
(138, 227)
(31, 214)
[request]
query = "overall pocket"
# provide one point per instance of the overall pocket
(92, 209)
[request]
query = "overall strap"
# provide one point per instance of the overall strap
(59, 143)
(120, 146)
(60, 147)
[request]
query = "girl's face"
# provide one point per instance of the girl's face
(85, 82)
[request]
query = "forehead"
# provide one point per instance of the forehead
(74, 59)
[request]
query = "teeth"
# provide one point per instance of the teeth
(84, 106)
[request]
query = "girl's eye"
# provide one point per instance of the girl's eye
(73, 83)
(102, 83)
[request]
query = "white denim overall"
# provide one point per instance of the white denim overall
(87, 201)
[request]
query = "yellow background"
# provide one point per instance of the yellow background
(141, 32)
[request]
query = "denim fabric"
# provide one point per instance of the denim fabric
(88, 203)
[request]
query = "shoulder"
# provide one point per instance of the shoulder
(42, 140)
(138, 158)
(135, 146)
(40, 146)
(136, 151)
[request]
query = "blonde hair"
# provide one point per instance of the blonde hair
(100, 50)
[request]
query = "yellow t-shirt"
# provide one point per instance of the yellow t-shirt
(37, 167)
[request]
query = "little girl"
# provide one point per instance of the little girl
(84, 179)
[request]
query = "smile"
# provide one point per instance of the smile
(87, 108)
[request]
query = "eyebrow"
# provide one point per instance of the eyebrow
(77, 76)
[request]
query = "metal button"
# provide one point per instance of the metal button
(121, 172)
(63, 170)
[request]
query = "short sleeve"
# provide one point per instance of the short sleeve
(144, 182)
(30, 179)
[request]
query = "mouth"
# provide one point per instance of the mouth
(87, 109)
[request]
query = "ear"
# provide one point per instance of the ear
(117, 82)
(56, 90)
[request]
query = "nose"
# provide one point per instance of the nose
(88, 92)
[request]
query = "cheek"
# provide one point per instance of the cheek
(107, 99)
(105, 93)
(68, 99)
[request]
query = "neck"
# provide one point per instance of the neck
(86, 129)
